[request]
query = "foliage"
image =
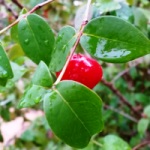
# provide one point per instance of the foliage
(115, 114)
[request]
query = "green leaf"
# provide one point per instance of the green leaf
(36, 38)
(14, 29)
(42, 76)
(14, 33)
(113, 142)
(140, 20)
(64, 42)
(74, 113)
(107, 5)
(142, 125)
(32, 96)
(15, 51)
(23, 12)
(125, 12)
(114, 40)
(5, 68)
(18, 71)
(147, 111)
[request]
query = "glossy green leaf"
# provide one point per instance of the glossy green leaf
(32, 96)
(64, 42)
(142, 126)
(5, 68)
(113, 142)
(74, 113)
(36, 38)
(42, 76)
(112, 39)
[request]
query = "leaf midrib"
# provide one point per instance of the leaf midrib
(33, 36)
(72, 111)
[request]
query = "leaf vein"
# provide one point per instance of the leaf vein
(73, 111)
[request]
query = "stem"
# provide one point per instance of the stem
(122, 98)
(38, 6)
(9, 8)
(17, 3)
(5, 29)
(97, 143)
(121, 113)
(5, 102)
(85, 21)
(124, 72)
(143, 144)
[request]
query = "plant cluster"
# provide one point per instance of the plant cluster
(47, 64)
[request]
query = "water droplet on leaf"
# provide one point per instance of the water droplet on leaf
(46, 42)
(26, 41)
(3, 72)
(37, 99)
(22, 104)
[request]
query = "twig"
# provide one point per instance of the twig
(143, 144)
(121, 113)
(38, 6)
(5, 102)
(97, 143)
(17, 3)
(124, 72)
(9, 8)
(122, 98)
(85, 21)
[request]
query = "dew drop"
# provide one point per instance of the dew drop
(46, 42)
(37, 99)
(22, 104)
(3, 72)
(26, 41)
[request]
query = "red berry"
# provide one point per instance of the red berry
(83, 69)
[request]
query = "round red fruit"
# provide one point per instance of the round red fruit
(83, 69)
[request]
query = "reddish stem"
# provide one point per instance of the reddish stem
(143, 144)
(85, 21)
(38, 6)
